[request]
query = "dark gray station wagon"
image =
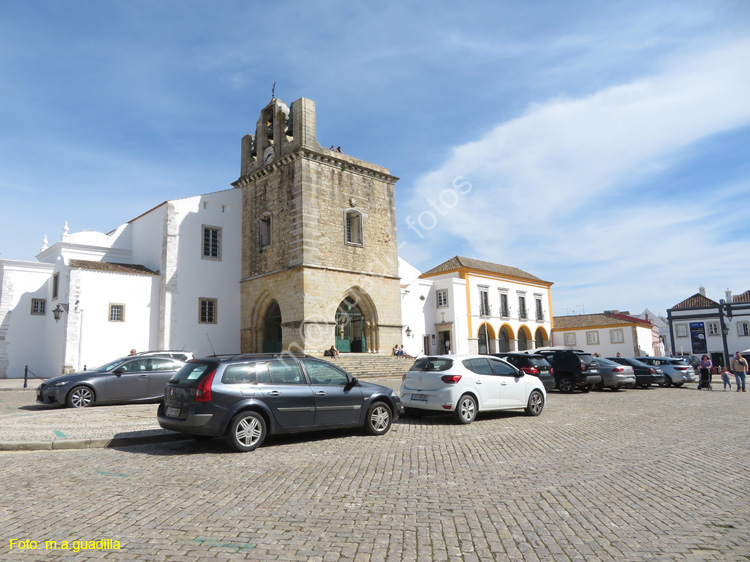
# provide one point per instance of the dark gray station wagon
(245, 397)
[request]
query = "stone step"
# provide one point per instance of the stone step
(364, 365)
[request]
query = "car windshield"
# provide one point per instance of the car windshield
(432, 364)
(586, 357)
(112, 365)
(191, 372)
(678, 362)
(539, 362)
(606, 362)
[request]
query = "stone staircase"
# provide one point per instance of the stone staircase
(363, 365)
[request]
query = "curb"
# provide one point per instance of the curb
(95, 443)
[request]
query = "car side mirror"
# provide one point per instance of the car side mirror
(352, 383)
(519, 373)
(118, 372)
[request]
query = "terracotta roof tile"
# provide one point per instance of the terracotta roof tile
(458, 262)
(588, 320)
(696, 301)
(112, 267)
(742, 297)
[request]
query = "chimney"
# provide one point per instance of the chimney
(729, 296)
(702, 290)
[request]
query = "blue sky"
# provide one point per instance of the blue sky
(603, 146)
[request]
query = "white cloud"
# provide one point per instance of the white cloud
(537, 178)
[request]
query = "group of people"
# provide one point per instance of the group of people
(399, 351)
(337, 149)
(739, 368)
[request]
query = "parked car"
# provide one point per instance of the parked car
(677, 371)
(645, 375)
(129, 379)
(468, 384)
(180, 354)
(614, 375)
(243, 398)
(573, 368)
(531, 364)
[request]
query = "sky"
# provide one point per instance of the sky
(601, 146)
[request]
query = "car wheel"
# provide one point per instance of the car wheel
(667, 381)
(566, 385)
(599, 386)
(80, 397)
(536, 403)
(466, 409)
(378, 419)
(587, 388)
(413, 412)
(246, 432)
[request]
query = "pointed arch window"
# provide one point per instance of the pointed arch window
(353, 225)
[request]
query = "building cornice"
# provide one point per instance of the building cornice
(342, 163)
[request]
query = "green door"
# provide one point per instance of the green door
(350, 329)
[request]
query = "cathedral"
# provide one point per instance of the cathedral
(300, 254)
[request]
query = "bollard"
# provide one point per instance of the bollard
(25, 375)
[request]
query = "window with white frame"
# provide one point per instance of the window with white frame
(117, 313)
(743, 328)
(522, 313)
(264, 231)
(38, 307)
(713, 328)
(616, 336)
(354, 228)
(442, 298)
(55, 285)
(211, 243)
(484, 301)
(504, 309)
(539, 309)
(570, 338)
(681, 330)
(592, 338)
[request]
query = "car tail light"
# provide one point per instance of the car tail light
(403, 377)
(618, 370)
(551, 370)
(450, 379)
(203, 392)
(680, 368)
(652, 370)
(530, 370)
(583, 366)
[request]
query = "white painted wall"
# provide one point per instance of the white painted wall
(637, 340)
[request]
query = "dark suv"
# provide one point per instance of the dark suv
(573, 369)
(245, 397)
(531, 364)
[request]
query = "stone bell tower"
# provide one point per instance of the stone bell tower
(319, 248)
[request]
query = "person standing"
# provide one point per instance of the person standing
(705, 367)
(726, 379)
(739, 366)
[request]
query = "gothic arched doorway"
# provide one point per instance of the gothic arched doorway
(350, 327)
(272, 329)
(539, 338)
(503, 341)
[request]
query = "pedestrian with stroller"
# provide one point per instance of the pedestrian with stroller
(739, 366)
(726, 379)
(705, 373)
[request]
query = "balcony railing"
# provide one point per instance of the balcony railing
(523, 314)
(539, 316)
(505, 312)
(485, 310)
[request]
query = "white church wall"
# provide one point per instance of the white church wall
(23, 334)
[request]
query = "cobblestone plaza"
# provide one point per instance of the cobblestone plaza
(658, 474)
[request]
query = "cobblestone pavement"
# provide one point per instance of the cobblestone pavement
(659, 474)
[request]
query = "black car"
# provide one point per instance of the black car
(531, 364)
(245, 397)
(645, 375)
(573, 369)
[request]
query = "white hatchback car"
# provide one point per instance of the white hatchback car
(467, 384)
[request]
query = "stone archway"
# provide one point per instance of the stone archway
(540, 336)
(504, 338)
(486, 339)
(356, 323)
(272, 329)
(524, 336)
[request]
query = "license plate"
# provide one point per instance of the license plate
(173, 412)
(419, 397)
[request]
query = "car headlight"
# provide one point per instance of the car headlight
(62, 383)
